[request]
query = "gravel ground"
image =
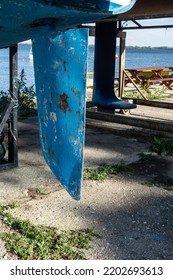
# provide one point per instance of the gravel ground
(133, 220)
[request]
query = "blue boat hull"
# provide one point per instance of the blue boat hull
(18, 18)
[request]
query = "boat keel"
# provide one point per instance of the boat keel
(60, 65)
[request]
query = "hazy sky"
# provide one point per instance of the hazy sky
(151, 37)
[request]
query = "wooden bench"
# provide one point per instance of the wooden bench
(151, 75)
(163, 81)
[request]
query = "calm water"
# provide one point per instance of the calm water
(135, 58)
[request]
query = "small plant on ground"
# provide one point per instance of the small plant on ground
(147, 157)
(32, 242)
(164, 182)
(162, 146)
(40, 191)
(104, 172)
(169, 95)
(132, 94)
(26, 97)
(156, 94)
(153, 94)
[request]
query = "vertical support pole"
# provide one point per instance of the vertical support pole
(104, 68)
(12, 148)
(122, 36)
(104, 62)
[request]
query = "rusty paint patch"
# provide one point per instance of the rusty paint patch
(63, 103)
(55, 65)
(62, 44)
(53, 116)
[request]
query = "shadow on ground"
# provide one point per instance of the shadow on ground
(139, 231)
(133, 220)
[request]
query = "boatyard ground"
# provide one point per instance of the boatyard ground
(132, 218)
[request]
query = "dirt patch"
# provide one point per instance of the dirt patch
(133, 219)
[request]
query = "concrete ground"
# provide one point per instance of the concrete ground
(133, 220)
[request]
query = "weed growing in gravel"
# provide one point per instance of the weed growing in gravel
(147, 157)
(31, 242)
(40, 190)
(164, 182)
(154, 94)
(162, 146)
(104, 172)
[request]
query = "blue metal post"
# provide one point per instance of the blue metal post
(60, 64)
(104, 67)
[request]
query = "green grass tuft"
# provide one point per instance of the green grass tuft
(151, 94)
(147, 157)
(164, 182)
(33, 242)
(162, 146)
(104, 172)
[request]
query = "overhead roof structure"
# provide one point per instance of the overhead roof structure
(146, 9)
(19, 18)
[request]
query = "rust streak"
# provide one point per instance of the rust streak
(63, 103)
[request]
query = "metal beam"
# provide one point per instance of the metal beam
(131, 120)
(148, 9)
(10, 112)
(137, 23)
(122, 28)
(13, 149)
(146, 27)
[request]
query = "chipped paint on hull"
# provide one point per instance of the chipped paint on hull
(63, 94)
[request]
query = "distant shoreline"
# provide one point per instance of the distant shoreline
(153, 48)
(145, 47)
(127, 47)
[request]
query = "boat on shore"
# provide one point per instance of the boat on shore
(60, 63)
